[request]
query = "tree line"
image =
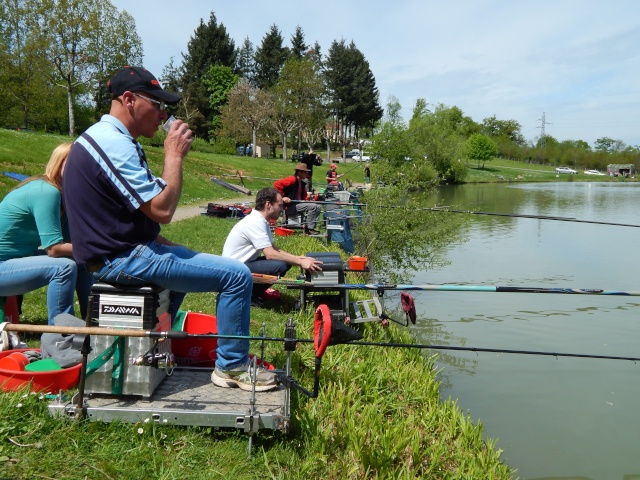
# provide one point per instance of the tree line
(56, 56)
(439, 141)
(274, 92)
(55, 59)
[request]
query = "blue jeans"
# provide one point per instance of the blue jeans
(22, 275)
(182, 270)
(266, 267)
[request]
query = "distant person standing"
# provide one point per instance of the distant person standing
(310, 159)
(367, 174)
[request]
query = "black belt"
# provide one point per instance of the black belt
(95, 266)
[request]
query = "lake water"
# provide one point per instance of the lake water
(553, 417)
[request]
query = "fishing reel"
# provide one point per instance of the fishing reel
(154, 358)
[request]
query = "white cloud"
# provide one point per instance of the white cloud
(575, 60)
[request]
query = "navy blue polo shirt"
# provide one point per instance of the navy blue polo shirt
(106, 180)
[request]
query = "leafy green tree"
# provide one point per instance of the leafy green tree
(73, 44)
(436, 139)
(407, 238)
(391, 143)
(210, 45)
(299, 95)
(298, 46)
(546, 141)
(247, 111)
(269, 59)
(604, 144)
(219, 81)
(112, 55)
(24, 85)
(420, 108)
(510, 129)
(481, 148)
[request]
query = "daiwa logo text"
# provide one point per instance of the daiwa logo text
(121, 310)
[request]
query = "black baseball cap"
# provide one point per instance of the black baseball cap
(139, 79)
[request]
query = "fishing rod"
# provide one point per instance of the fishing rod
(17, 327)
(329, 202)
(350, 170)
(247, 176)
(65, 330)
(494, 214)
(443, 287)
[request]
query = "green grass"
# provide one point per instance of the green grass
(28, 153)
(378, 415)
(501, 170)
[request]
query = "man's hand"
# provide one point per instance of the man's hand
(176, 146)
(178, 141)
(310, 264)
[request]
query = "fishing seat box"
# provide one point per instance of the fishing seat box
(332, 272)
(133, 307)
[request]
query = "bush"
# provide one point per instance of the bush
(223, 145)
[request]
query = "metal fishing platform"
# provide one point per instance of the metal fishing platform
(188, 397)
(134, 379)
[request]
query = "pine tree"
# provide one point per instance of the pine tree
(298, 47)
(245, 64)
(270, 58)
(355, 97)
(210, 45)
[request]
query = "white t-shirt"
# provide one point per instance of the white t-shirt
(248, 237)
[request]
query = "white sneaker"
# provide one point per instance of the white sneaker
(243, 378)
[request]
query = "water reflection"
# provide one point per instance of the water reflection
(555, 418)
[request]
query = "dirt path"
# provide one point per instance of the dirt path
(190, 211)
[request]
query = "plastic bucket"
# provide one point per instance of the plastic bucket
(9, 309)
(196, 352)
(357, 263)
(51, 381)
(283, 232)
(200, 352)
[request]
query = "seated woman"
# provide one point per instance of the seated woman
(35, 250)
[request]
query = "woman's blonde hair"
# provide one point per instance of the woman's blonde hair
(55, 165)
(53, 171)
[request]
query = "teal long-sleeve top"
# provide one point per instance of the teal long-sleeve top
(30, 219)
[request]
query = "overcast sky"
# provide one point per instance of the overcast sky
(576, 61)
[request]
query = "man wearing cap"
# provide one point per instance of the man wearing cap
(294, 193)
(332, 177)
(115, 206)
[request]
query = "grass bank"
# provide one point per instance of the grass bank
(501, 170)
(379, 414)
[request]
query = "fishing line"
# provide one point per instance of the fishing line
(184, 335)
(423, 346)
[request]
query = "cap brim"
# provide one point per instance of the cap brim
(167, 97)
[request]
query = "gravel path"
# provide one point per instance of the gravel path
(190, 211)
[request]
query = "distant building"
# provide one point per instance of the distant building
(263, 150)
(621, 169)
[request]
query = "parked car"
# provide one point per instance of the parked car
(565, 170)
(361, 158)
(593, 172)
(352, 153)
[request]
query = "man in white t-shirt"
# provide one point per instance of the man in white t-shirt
(251, 242)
